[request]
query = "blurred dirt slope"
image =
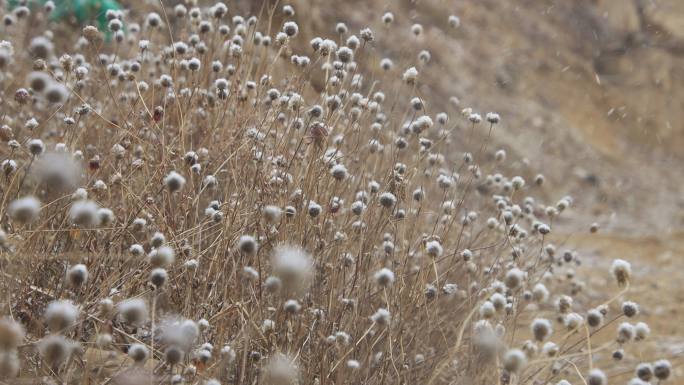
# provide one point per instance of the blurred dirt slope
(590, 91)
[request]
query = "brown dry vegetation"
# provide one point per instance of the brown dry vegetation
(338, 223)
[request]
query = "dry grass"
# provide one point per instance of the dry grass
(274, 218)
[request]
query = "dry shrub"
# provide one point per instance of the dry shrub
(176, 189)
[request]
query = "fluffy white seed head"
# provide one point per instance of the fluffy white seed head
(158, 277)
(293, 265)
(104, 341)
(630, 309)
(157, 239)
(541, 329)
(133, 311)
(84, 213)
(622, 271)
(80, 194)
(487, 310)
(596, 377)
(410, 75)
(339, 172)
(353, 364)
(514, 360)
(662, 369)
(644, 371)
(55, 349)
(291, 306)
(11, 334)
(550, 349)
(281, 370)
(138, 353)
(173, 355)
(291, 28)
(387, 200)
(641, 331)
(24, 210)
(594, 318)
(179, 332)
(493, 117)
(381, 317)
(573, 321)
(77, 275)
(271, 214)
(136, 250)
(540, 293)
(162, 256)
(514, 278)
(228, 354)
(384, 277)
(105, 216)
(434, 249)
(454, 21)
(625, 332)
(105, 307)
(58, 171)
(9, 364)
(61, 315)
(247, 245)
(273, 284)
(174, 181)
(249, 274)
(288, 10)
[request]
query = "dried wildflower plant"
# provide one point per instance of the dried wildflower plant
(222, 199)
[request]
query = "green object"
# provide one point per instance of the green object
(84, 11)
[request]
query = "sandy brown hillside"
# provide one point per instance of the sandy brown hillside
(591, 94)
(589, 91)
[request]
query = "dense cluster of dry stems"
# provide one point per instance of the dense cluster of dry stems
(181, 205)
